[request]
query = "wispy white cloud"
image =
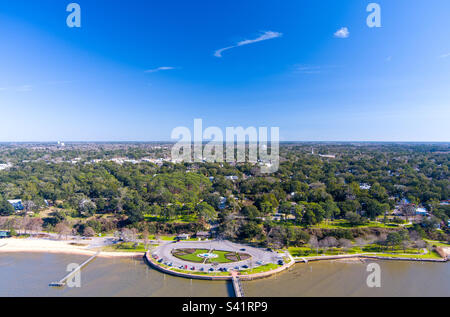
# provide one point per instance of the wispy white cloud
(342, 33)
(263, 37)
(29, 87)
(24, 88)
(305, 69)
(59, 82)
(388, 59)
(313, 69)
(160, 69)
(444, 55)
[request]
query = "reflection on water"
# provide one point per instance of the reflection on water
(349, 279)
(30, 274)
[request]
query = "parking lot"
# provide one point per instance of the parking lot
(258, 256)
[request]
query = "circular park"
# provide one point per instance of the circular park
(209, 256)
(216, 260)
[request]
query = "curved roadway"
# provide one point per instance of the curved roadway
(257, 255)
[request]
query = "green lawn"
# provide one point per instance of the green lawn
(370, 248)
(306, 251)
(177, 219)
(260, 269)
(437, 243)
(430, 255)
(221, 258)
(169, 238)
(343, 224)
(193, 257)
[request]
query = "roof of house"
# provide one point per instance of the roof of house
(365, 186)
(15, 201)
(202, 233)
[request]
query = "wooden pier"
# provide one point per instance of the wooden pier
(237, 285)
(63, 281)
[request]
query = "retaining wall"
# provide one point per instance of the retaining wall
(255, 276)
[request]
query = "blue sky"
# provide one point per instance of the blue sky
(135, 70)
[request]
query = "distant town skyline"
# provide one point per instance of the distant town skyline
(136, 70)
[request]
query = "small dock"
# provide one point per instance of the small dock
(237, 285)
(63, 281)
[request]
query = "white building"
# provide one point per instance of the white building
(222, 203)
(17, 204)
(421, 211)
(5, 166)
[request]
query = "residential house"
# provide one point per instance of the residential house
(421, 211)
(290, 217)
(203, 235)
(5, 166)
(405, 201)
(328, 156)
(17, 204)
(222, 203)
(183, 236)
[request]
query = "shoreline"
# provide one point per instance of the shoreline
(366, 256)
(12, 245)
(248, 277)
(186, 274)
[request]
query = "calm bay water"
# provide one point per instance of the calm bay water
(29, 275)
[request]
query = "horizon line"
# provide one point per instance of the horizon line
(208, 141)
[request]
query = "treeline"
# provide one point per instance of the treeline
(308, 188)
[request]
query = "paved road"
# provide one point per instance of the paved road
(165, 252)
(91, 243)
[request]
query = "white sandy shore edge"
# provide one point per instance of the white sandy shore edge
(50, 246)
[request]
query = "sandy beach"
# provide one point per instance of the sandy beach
(12, 245)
